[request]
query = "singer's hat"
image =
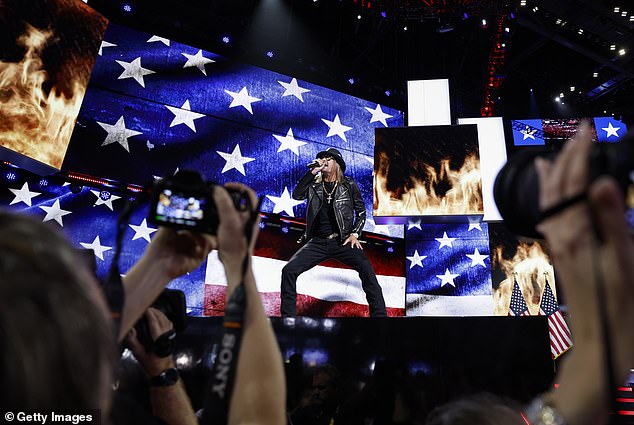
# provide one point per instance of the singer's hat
(336, 155)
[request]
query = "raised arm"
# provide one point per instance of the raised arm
(259, 392)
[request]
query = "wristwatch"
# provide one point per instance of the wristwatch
(166, 378)
(356, 235)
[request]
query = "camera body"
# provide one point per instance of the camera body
(185, 201)
(516, 188)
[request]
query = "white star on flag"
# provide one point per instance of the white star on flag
(378, 115)
(611, 130)
(235, 160)
(55, 212)
(528, 133)
(445, 241)
(134, 70)
(284, 203)
(104, 43)
(157, 38)
(447, 278)
(198, 61)
(142, 231)
(477, 258)
(474, 225)
(243, 99)
(184, 115)
(414, 224)
(293, 89)
(336, 128)
(23, 195)
(417, 260)
(289, 142)
(97, 247)
(117, 133)
(106, 202)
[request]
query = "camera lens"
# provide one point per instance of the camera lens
(516, 192)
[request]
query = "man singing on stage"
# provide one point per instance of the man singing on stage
(332, 230)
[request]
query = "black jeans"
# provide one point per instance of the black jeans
(318, 250)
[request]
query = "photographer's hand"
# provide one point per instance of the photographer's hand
(582, 397)
(170, 403)
(158, 325)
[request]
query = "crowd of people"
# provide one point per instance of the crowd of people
(60, 346)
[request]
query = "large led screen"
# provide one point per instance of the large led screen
(154, 105)
(47, 53)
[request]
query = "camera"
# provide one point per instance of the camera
(185, 201)
(516, 187)
(171, 302)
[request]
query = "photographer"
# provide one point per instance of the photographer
(169, 400)
(57, 333)
(594, 257)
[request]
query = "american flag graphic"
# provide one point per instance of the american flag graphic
(448, 269)
(560, 337)
(518, 305)
(154, 105)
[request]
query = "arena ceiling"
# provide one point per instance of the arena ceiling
(371, 48)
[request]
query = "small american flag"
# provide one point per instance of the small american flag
(560, 338)
(518, 305)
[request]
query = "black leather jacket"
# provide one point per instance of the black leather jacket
(347, 201)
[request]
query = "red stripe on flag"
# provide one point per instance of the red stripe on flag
(306, 305)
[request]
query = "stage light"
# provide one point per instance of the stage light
(284, 229)
(127, 7)
(405, 28)
(535, 9)
(624, 13)
(351, 80)
(558, 21)
(622, 52)
(595, 75)
(617, 9)
(484, 23)
(572, 88)
(613, 47)
(384, 14)
(531, 90)
(523, 3)
(270, 53)
(390, 249)
(632, 18)
(512, 15)
(507, 30)
(561, 94)
(580, 31)
(358, 16)
(388, 93)
(226, 39)
(465, 15)
(557, 99)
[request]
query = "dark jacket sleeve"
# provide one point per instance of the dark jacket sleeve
(359, 208)
(301, 190)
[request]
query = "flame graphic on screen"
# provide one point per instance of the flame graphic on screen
(420, 196)
(531, 267)
(35, 121)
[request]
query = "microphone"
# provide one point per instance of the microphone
(313, 164)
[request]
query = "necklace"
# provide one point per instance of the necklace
(329, 193)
